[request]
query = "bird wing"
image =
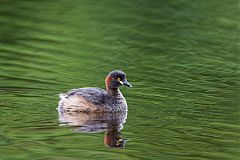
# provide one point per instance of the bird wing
(95, 95)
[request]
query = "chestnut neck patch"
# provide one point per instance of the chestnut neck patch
(108, 81)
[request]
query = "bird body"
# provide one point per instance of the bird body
(97, 99)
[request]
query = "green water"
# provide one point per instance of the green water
(182, 58)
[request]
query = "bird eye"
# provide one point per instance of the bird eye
(119, 80)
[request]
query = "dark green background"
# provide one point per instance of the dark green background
(181, 56)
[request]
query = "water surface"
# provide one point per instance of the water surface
(182, 57)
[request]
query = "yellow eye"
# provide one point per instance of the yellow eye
(119, 80)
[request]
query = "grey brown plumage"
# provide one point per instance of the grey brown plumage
(97, 99)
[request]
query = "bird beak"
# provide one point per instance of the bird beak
(126, 83)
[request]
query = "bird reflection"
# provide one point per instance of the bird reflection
(111, 123)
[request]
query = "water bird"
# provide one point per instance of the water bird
(91, 99)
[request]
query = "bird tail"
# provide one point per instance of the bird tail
(62, 96)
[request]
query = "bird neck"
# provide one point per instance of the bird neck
(113, 91)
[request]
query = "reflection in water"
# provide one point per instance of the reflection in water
(111, 123)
